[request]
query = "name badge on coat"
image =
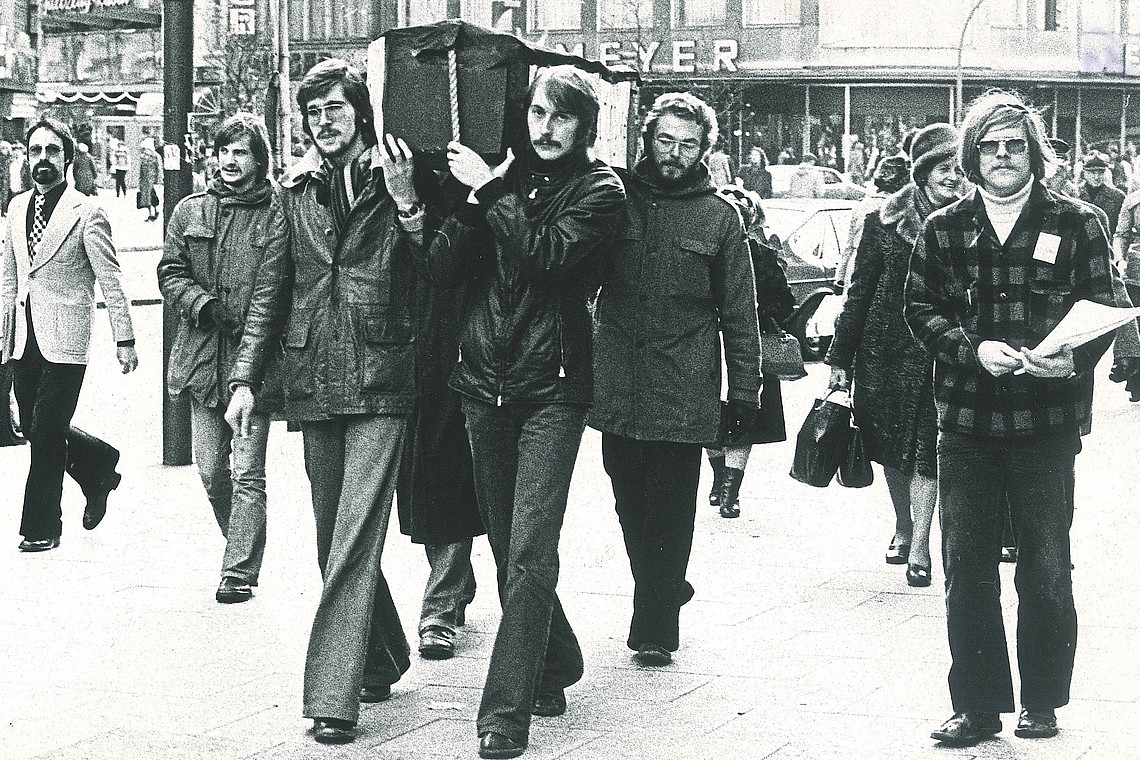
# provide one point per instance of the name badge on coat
(1046, 248)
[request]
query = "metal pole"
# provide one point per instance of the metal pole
(285, 99)
(178, 78)
(959, 112)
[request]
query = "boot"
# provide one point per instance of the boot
(730, 492)
(718, 480)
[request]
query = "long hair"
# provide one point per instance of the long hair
(686, 106)
(328, 74)
(244, 124)
(62, 131)
(569, 91)
(998, 109)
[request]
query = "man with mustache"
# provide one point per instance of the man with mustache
(216, 243)
(533, 248)
(682, 279)
(990, 276)
(339, 297)
(58, 245)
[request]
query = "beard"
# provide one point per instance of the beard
(673, 172)
(45, 174)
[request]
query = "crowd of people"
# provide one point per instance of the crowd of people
(442, 339)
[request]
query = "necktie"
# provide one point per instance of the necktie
(39, 224)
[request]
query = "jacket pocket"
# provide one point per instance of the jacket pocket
(386, 353)
(298, 360)
(72, 328)
(1049, 300)
(691, 264)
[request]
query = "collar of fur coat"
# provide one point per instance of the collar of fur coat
(901, 211)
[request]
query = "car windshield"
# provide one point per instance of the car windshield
(813, 237)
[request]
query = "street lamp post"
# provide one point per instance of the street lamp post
(961, 43)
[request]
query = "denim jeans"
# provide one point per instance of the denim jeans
(357, 638)
(976, 474)
(450, 585)
(523, 456)
(655, 490)
(236, 493)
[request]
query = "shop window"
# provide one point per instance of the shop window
(555, 15)
(419, 12)
(688, 13)
(625, 14)
(770, 12)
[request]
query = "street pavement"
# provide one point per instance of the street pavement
(801, 643)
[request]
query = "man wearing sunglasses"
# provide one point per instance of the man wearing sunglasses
(989, 278)
(682, 278)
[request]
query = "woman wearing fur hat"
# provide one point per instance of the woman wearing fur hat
(894, 394)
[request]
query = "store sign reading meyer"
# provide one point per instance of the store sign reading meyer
(679, 56)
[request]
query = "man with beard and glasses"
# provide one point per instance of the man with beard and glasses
(58, 245)
(682, 278)
(216, 242)
(990, 276)
(533, 247)
(339, 297)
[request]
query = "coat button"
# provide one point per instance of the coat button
(1003, 295)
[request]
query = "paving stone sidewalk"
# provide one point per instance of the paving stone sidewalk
(801, 644)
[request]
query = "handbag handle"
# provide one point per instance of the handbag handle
(843, 392)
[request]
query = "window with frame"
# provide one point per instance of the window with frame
(688, 13)
(770, 12)
(555, 15)
(419, 12)
(625, 14)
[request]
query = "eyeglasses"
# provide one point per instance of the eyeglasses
(668, 144)
(1014, 146)
(330, 110)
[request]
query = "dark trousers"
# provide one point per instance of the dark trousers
(523, 457)
(47, 394)
(120, 182)
(655, 489)
(975, 476)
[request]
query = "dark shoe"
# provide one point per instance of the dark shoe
(97, 501)
(898, 554)
(918, 576)
(333, 730)
(730, 492)
(373, 694)
(717, 464)
(549, 703)
(966, 729)
(492, 744)
(40, 545)
(232, 591)
(1036, 724)
(437, 643)
(13, 439)
(1009, 554)
(652, 655)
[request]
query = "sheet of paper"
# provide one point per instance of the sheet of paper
(1085, 321)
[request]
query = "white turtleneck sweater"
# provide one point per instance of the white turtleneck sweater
(1003, 212)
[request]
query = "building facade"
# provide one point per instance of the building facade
(18, 40)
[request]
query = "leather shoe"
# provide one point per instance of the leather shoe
(1036, 724)
(549, 703)
(898, 554)
(496, 745)
(918, 576)
(437, 643)
(333, 730)
(652, 655)
(373, 694)
(97, 500)
(965, 729)
(39, 545)
(232, 591)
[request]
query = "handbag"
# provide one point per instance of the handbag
(781, 355)
(855, 469)
(823, 441)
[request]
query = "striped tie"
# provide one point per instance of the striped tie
(39, 224)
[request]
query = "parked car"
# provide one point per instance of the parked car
(836, 186)
(810, 234)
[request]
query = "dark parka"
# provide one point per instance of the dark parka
(216, 243)
(340, 303)
(535, 248)
(681, 276)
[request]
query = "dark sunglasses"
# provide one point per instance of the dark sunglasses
(1014, 146)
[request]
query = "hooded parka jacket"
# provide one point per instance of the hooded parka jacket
(216, 243)
(682, 276)
(535, 248)
(340, 303)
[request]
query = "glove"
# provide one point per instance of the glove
(740, 416)
(1124, 368)
(208, 315)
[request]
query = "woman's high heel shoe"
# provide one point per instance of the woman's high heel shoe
(918, 576)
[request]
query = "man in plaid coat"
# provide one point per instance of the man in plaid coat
(989, 278)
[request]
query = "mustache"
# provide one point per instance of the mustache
(548, 142)
(43, 165)
(328, 133)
